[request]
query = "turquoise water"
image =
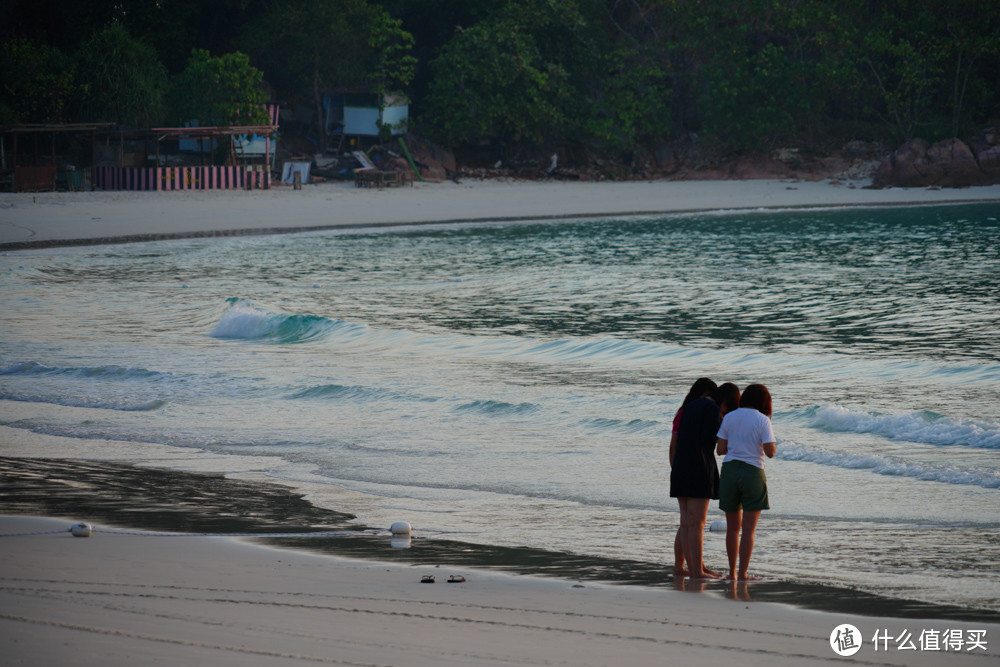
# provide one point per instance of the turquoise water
(514, 384)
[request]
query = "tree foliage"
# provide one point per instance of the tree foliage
(491, 83)
(223, 90)
(510, 78)
(121, 79)
(618, 74)
(36, 82)
(632, 105)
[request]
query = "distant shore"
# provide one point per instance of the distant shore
(30, 220)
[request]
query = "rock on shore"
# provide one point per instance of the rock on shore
(951, 163)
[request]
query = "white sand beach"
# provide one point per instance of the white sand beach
(27, 218)
(128, 599)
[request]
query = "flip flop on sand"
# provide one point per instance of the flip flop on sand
(456, 579)
(428, 579)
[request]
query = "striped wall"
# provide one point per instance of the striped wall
(181, 178)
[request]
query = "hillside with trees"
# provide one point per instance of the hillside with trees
(631, 86)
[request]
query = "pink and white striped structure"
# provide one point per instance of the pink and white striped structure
(182, 178)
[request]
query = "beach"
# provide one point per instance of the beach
(28, 220)
(129, 596)
(127, 599)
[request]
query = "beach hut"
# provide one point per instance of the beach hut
(47, 156)
(185, 158)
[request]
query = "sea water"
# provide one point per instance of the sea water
(514, 384)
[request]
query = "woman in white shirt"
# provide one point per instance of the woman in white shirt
(744, 439)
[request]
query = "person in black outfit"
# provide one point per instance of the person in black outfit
(694, 474)
(702, 387)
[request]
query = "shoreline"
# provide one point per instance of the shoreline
(203, 598)
(30, 221)
(121, 496)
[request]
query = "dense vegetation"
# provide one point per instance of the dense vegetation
(611, 75)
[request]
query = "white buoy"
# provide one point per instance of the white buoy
(81, 530)
(718, 526)
(400, 528)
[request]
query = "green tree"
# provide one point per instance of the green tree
(633, 99)
(224, 90)
(971, 57)
(632, 103)
(931, 66)
(900, 55)
(121, 79)
(36, 82)
(433, 23)
(393, 64)
(765, 70)
(62, 24)
(512, 78)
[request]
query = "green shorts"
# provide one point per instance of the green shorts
(742, 486)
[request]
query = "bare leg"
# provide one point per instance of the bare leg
(733, 522)
(681, 540)
(679, 570)
(694, 513)
(747, 531)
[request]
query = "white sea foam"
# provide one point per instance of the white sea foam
(886, 465)
(921, 426)
(244, 320)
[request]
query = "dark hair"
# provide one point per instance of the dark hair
(758, 397)
(727, 396)
(701, 387)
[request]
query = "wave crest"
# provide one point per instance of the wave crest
(112, 372)
(119, 404)
(922, 426)
(884, 465)
(245, 321)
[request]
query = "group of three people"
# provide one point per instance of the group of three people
(720, 420)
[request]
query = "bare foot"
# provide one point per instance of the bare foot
(680, 572)
(749, 577)
(707, 574)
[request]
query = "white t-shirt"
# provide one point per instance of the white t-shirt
(746, 430)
